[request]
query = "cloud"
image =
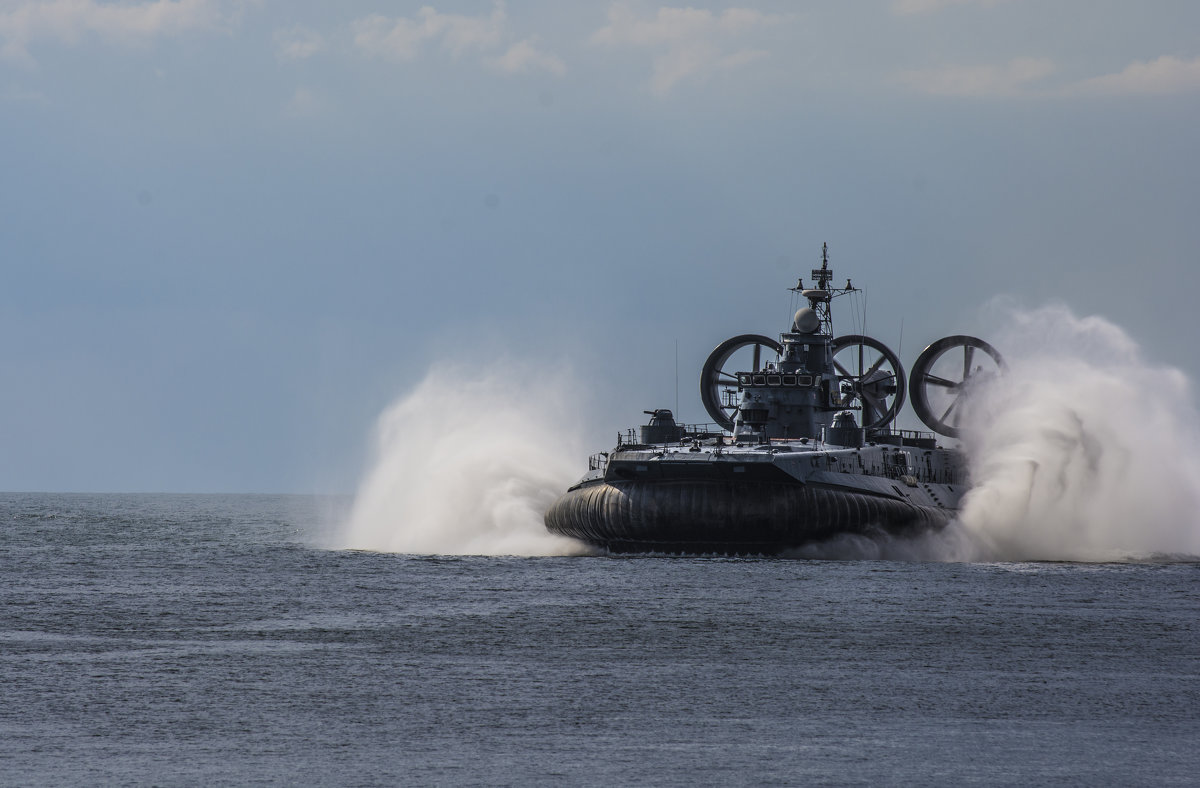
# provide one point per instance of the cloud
(402, 38)
(297, 43)
(1010, 79)
(68, 21)
(689, 41)
(1163, 76)
(673, 25)
(1026, 77)
(929, 6)
(523, 57)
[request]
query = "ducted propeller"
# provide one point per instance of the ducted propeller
(945, 376)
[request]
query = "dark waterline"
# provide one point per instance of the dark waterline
(211, 640)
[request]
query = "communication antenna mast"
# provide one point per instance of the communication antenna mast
(822, 275)
(820, 294)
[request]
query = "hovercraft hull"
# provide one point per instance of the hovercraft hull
(718, 516)
(799, 449)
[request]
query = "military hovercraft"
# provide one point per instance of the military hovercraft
(801, 447)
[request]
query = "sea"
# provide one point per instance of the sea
(222, 640)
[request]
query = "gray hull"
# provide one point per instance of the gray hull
(727, 517)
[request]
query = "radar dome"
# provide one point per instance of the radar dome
(806, 321)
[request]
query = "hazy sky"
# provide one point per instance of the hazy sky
(231, 232)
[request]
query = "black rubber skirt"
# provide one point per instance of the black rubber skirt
(725, 517)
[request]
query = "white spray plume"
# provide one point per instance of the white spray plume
(468, 462)
(1084, 451)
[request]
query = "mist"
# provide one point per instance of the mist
(467, 463)
(1085, 451)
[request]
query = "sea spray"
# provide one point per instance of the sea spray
(1085, 451)
(468, 462)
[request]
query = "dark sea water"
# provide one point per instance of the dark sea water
(210, 640)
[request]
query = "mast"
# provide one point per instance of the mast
(820, 295)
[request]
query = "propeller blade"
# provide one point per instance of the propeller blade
(946, 415)
(935, 380)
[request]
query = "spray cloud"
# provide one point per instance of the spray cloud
(1084, 451)
(467, 463)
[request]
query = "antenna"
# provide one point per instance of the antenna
(676, 378)
(821, 293)
(822, 275)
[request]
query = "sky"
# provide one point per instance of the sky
(233, 231)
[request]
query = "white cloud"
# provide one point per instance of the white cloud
(1026, 77)
(1009, 79)
(68, 21)
(297, 43)
(1165, 75)
(524, 57)
(689, 41)
(406, 38)
(402, 38)
(929, 6)
(674, 25)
